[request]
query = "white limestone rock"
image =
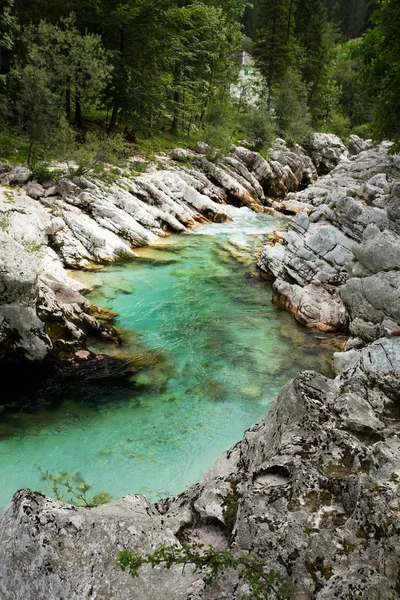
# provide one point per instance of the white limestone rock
(357, 144)
(232, 183)
(19, 175)
(81, 563)
(21, 331)
(35, 190)
(378, 361)
(326, 151)
(316, 496)
(315, 306)
(87, 241)
(202, 148)
(180, 154)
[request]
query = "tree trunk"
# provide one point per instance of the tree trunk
(271, 66)
(177, 101)
(68, 101)
(176, 120)
(289, 24)
(130, 136)
(30, 152)
(114, 118)
(78, 113)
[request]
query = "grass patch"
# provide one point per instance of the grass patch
(163, 141)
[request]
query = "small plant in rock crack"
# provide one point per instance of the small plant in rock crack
(72, 488)
(262, 584)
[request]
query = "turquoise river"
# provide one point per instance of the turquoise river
(220, 352)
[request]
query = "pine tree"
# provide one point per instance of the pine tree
(380, 52)
(274, 39)
(310, 32)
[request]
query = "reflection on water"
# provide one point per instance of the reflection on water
(223, 352)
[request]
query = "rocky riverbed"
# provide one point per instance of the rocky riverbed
(313, 488)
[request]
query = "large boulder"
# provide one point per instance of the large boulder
(21, 331)
(19, 175)
(315, 306)
(72, 551)
(312, 489)
(357, 144)
(35, 190)
(347, 244)
(181, 154)
(326, 151)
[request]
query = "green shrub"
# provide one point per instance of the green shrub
(364, 131)
(338, 124)
(73, 484)
(41, 172)
(258, 127)
(262, 584)
(84, 155)
(220, 127)
(292, 114)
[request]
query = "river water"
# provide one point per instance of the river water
(220, 352)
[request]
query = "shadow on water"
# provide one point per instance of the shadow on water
(215, 353)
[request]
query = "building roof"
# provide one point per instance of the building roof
(244, 58)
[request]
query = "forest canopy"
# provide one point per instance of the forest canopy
(151, 68)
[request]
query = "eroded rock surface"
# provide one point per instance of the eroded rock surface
(313, 489)
(344, 240)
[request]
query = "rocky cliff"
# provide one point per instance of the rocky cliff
(314, 488)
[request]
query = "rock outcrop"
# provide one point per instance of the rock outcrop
(21, 330)
(313, 489)
(326, 151)
(339, 259)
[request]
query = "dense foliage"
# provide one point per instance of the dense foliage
(150, 68)
(137, 66)
(380, 54)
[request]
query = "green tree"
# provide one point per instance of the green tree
(346, 66)
(274, 48)
(292, 114)
(58, 63)
(36, 106)
(138, 39)
(380, 55)
(352, 16)
(204, 65)
(8, 28)
(76, 63)
(258, 126)
(311, 37)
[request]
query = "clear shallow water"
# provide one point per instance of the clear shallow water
(223, 352)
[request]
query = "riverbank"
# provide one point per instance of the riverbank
(203, 380)
(83, 221)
